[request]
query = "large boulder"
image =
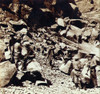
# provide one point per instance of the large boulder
(7, 70)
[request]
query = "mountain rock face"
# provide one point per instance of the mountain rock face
(50, 42)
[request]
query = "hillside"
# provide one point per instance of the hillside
(49, 46)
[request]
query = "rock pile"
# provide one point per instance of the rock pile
(64, 44)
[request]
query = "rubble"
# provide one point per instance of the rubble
(54, 39)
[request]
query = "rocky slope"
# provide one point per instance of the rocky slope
(39, 38)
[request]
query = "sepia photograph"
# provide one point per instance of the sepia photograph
(49, 46)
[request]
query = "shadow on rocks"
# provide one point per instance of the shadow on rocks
(34, 77)
(39, 18)
(14, 81)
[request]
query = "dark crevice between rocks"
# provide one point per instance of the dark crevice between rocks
(78, 24)
(19, 27)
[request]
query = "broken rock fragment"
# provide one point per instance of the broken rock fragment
(23, 31)
(20, 22)
(38, 83)
(33, 66)
(66, 67)
(7, 54)
(61, 22)
(24, 51)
